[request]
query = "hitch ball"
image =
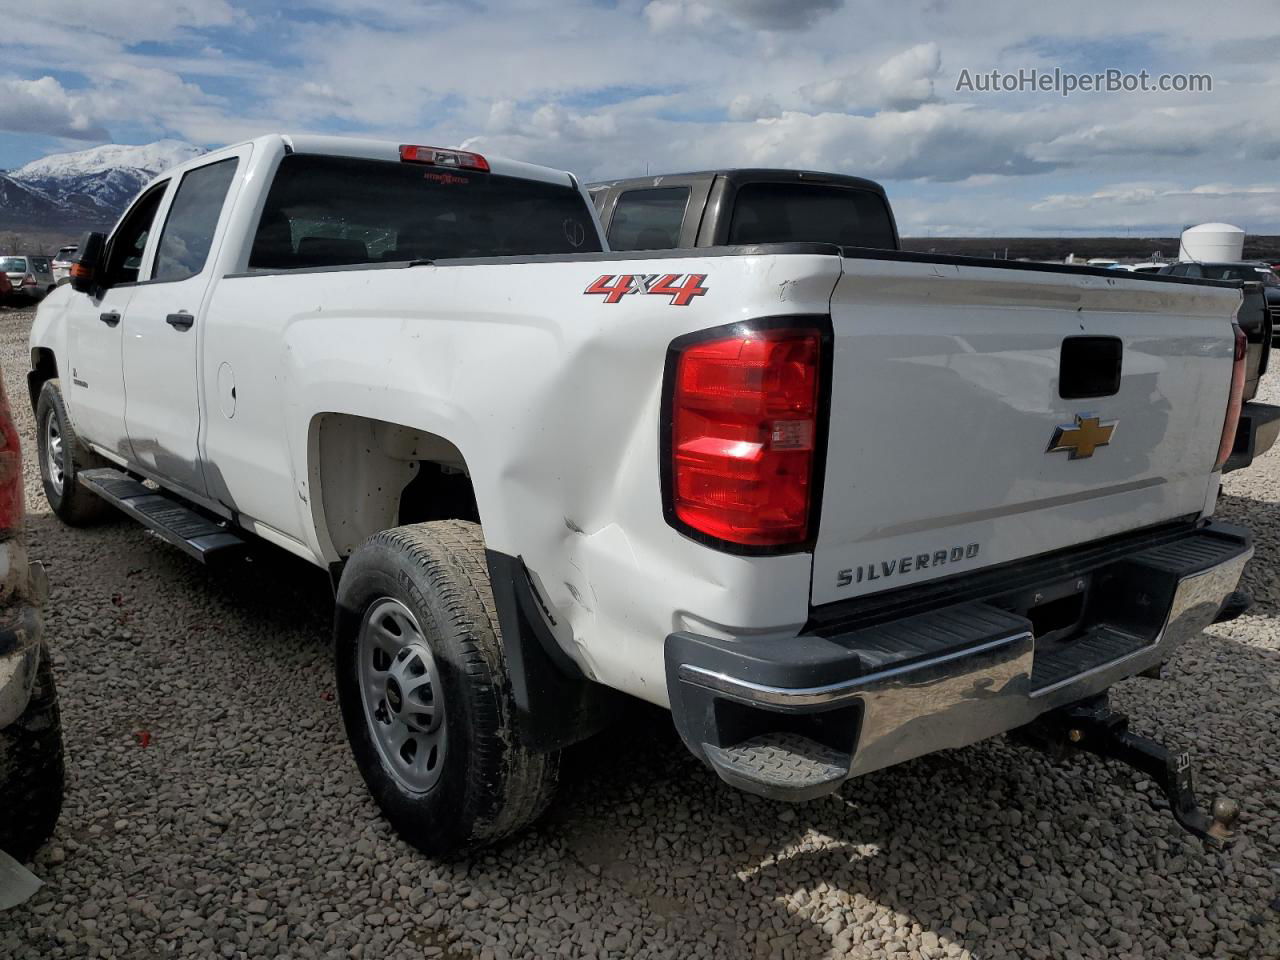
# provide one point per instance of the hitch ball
(1225, 812)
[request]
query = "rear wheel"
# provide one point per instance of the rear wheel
(62, 457)
(425, 695)
(31, 770)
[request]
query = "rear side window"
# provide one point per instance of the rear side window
(338, 211)
(648, 219)
(193, 218)
(810, 213)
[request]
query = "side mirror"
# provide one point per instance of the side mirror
(88, 262)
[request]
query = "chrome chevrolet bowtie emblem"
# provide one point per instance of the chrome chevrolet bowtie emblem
(1083, 437)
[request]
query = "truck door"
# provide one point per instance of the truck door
(162, 329)
(93, 384)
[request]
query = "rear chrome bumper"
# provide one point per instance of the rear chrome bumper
(849, 704)
(1256, 434)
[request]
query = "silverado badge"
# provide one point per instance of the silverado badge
(1083, 437)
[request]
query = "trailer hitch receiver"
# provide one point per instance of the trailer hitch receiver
(1092, 726)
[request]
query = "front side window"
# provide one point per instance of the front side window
(40, 264)
(129, 242)
(810, 213)
(339, 211)
(193, 218)
(648, 219)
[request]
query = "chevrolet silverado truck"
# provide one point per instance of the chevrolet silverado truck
(833, 507)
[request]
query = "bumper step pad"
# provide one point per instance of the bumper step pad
(781, 766)
(1058, 663)
(170, 519)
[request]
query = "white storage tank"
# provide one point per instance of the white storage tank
(1212, 243)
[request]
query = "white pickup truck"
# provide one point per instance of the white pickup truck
(834, 508)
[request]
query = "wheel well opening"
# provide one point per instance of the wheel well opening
(438, 492)
(372, 475)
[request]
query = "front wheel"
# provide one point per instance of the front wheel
(425, 695)
(62, 457)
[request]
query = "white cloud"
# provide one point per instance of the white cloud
(746, 106)
(902, 82)
(1120, 204)
(147, 19)
(43, 106)
(789, 15)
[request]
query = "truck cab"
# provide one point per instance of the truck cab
(715, 208)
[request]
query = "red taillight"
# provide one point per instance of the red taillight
(744, 434)
(1235, 399)
(29, 280)
(434, 156)
(11, 502)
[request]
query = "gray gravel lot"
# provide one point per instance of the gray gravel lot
(242, 829)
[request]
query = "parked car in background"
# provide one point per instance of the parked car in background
(31, 276)
(31, 765)
(62, 261)
(1244, 270)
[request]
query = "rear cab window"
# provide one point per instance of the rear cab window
(810, 213)
(324, 211)
(648, 219)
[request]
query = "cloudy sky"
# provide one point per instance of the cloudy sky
(624, 87)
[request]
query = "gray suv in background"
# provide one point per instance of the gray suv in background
(32, 277)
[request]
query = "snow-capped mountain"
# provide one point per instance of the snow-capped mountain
(88, 188)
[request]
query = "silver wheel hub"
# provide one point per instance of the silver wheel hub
(53, 452)
(400, 689)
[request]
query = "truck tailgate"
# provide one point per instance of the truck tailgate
(947, 397)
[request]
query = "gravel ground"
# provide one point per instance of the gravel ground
(213, 809)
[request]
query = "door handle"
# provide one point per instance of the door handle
(110, 319)
(180, 321)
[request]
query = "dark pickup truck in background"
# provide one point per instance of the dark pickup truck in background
(716, 208)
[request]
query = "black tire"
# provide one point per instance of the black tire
(74, 504)
(489, 785)
(31, 770)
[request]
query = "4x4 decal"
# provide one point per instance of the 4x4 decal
(680, 287)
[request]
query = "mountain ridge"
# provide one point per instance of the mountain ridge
(85, 189)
